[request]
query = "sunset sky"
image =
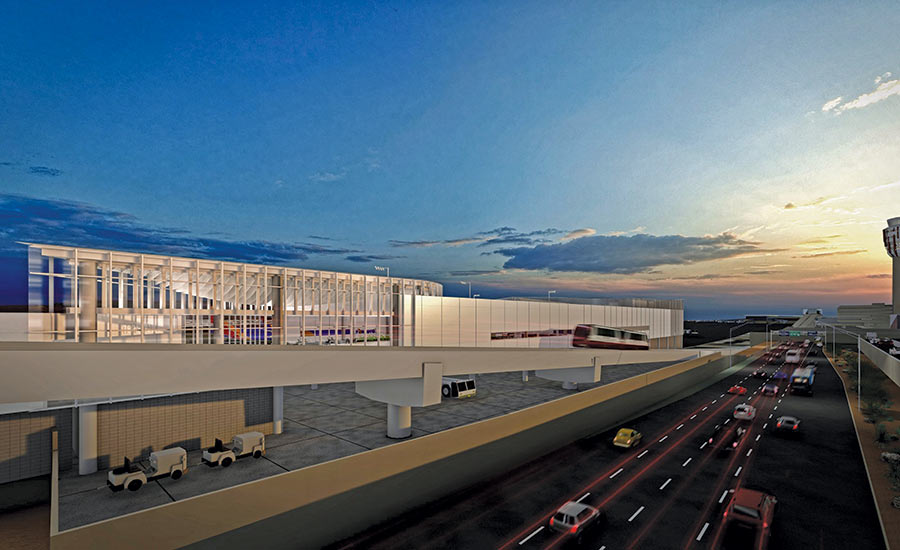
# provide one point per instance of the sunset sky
(742, 156)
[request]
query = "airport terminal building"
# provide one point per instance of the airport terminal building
(102, 296)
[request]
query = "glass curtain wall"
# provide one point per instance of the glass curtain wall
(89, 295)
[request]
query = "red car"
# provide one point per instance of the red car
(748, 517)
(740, 390)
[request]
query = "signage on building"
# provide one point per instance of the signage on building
(892, 240)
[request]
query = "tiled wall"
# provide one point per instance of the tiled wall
(25, 443)
(192, 421)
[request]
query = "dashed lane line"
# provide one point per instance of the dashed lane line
(663, 486)
(584, 496)
(533, 533)
(665, 437)
(619, 471)
(703, 531)
(724, 494)
(738, 472)
(686, 462)
(643, 453)
(634, 515)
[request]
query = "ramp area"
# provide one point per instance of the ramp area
(320, 425)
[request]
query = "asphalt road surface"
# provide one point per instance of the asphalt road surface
(671, 491)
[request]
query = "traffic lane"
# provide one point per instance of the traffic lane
(679, 503)
(482, 516)
(819, 474)
(623, 504)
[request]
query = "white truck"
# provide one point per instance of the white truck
(168, 462)
(457, 387)
(248, 444)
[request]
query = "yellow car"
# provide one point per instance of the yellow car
(627, 437)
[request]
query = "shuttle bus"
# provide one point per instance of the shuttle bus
(597, 336)
(802, 380)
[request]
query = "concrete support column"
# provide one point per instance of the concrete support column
(219, 324)
(277, 409)
(87, 439)
(524, 376)
(399, 421)
(896, 285)
(566, 385)
(87, 298)
(278, 329)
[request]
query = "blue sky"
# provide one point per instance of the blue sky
(598, 148)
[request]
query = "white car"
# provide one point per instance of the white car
(744, 412)
(574, 518)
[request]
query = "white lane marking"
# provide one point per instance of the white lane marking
(619, 471)
(750, 451)
(693, 417)
(738, 472)
(665, 437)
(779, 400)
(686, 462)
(704, 445)
(704, 408)
(776, 408)
(764, 425)
(533, 533)
(727, 420)
(680, 426)
(714, 400)
(770, 416)
(634, 515)
(643, 453)
(703, 531)
(760, 435)
(724, 494)
(663, 486)
(584, 496)
(723, 395)
(603, 547)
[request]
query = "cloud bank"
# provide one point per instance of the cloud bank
(622, 255)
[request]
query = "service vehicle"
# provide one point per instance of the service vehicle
(792, 356)
(457, 387)
(748, 517)
(134, 475)
(787, 424)
(744, 412)
(739, 390)
(597, 336)
(770, 389)
(574, 518)
(247, 444)
(802, 381)
(734, 439)
(627, 437)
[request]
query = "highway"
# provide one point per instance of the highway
(670, 491)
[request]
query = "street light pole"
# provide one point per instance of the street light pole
(858, 374)
(549, 292)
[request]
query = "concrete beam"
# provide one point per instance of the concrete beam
(41, 371)
(408, 392)
(277, 409)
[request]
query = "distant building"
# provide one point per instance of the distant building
(865, 316)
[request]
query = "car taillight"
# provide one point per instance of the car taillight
(551, 521)
(734, 444)
(779, 424)
(725, 515)
(628, 442)
(710, 440)
(795, 427)
(573, 529)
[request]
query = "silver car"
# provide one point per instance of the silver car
(574, 518)
(744, 412)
